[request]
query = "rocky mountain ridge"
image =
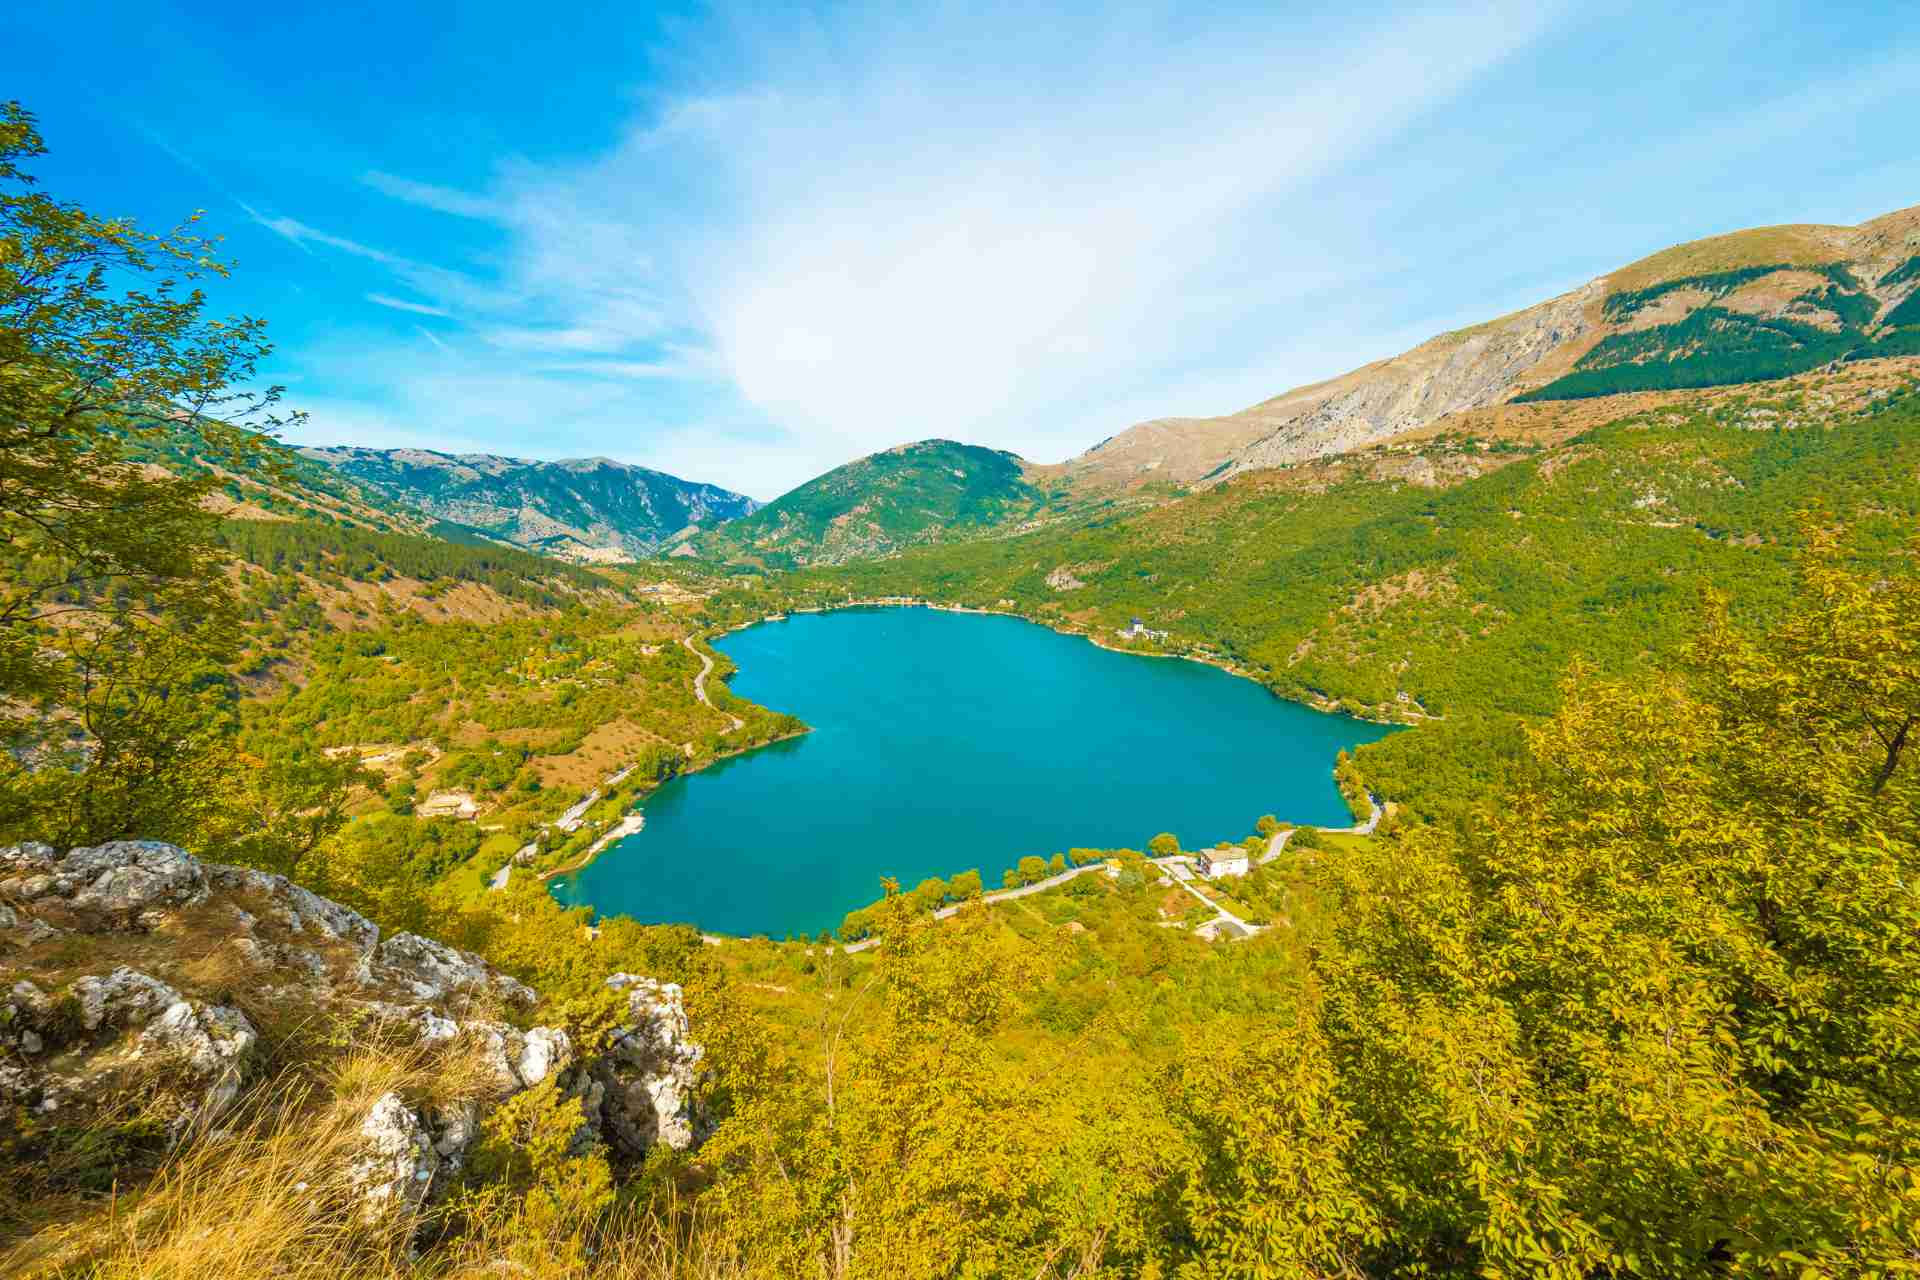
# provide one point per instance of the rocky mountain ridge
(138, 980)
(583, 509)
(1747, 306)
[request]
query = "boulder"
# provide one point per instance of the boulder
(210, 1043)
(519, 1059)
(126, 997)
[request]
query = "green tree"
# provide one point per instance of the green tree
(1164, 845)
(967, 886)
(931, 893)
(115, 622)
(1268, 825)
(1032, 869)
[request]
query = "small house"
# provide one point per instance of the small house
(1226, 860)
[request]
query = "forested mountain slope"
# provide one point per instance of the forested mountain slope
(590, 509)
(928, 491)
(1755, 304)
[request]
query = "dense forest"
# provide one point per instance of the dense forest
(929, 491)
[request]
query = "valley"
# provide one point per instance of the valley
(434, 865)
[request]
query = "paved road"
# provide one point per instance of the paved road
(700, 684)
(998, 895)
(1274, 846)
(1279, 838)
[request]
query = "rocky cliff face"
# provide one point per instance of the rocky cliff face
(126, 967)
(1451, 373)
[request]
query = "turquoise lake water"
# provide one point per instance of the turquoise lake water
(947, 741)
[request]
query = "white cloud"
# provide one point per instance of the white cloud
(401, 304)
(994, 224)
(954, 225)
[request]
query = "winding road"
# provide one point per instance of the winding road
(700, 685)
(1275, 844)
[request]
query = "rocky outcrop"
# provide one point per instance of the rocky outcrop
(119, 1032)
(105, 884)
(642, 1089)
(133, 969)
(433, 971)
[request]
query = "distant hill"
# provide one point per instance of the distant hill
(588, 509)
(1749, 306)
(910, 495)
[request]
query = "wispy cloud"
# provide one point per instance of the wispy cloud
(446, 286)
(989, 224)
(428, 196)
(401, 304)
(959, 223)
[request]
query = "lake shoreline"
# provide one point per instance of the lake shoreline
(602, 846)
(1219, 664)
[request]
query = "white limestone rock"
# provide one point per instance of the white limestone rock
(395, 1171)
(519, 1059)
(649, 1072)
(301, 909)
(434, 971)
(110, 884)
(124, 998)
(211, 1042)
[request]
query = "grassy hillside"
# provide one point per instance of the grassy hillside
(506, 683)
(929, 491)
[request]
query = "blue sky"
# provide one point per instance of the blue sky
(745, 244)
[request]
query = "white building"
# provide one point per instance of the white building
(1227, 860)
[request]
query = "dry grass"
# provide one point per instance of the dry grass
(1796, 245)
(271, 1194)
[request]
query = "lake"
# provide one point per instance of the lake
(946, 741)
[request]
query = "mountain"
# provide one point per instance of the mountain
(589, 509)
(1744, 307)
(912, 494)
